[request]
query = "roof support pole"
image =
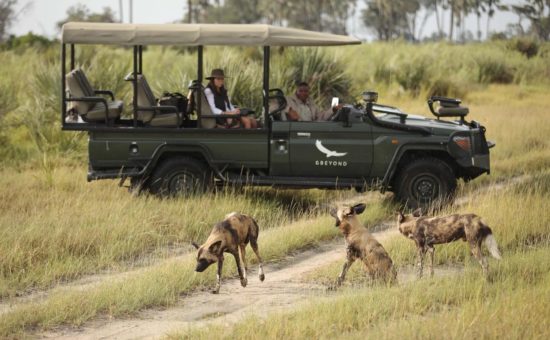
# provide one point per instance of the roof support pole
(63, 94)
(140, 65)
(72, 57)
(267, 53)
(199, 83)
(135, 81)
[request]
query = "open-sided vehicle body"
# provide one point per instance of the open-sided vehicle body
(369, 146)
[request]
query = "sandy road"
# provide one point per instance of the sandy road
(282, 289)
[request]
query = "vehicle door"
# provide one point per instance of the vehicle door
(330, 149)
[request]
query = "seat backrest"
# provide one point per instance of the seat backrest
(86, 86)
(207, 123)
(145, 97)
(78, 90)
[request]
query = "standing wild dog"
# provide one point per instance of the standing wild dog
(362, 245)
(230, 236)
(428, 231)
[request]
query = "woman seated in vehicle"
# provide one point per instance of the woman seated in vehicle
(217, 97)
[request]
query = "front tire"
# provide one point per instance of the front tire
(424, 183)
(180, 176)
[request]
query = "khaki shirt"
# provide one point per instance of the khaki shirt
(308, 111)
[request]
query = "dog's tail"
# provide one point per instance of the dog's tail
(492, 246)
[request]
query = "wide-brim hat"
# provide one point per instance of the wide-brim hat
(217, 73)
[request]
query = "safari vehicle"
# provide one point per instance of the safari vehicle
(162, 149)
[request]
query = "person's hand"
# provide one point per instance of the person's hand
(292, 115)
(337, 107)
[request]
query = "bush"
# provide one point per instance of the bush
(529, 47)
(494, 70)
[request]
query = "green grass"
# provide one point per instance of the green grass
(451, 307)
(160, 285)
(55, 228)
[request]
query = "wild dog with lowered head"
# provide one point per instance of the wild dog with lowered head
(230, 236)
(428, 231)
(362, 245)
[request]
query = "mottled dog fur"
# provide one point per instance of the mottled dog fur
(429, 231)
(230, 236)
(363, 246)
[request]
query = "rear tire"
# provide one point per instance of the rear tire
(424, 183)
(180, 176)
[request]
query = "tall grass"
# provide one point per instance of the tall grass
(159, 285)
(451, 307)
(510, 303)
(55, 228)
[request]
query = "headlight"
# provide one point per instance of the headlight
(462, 142)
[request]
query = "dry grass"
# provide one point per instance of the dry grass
(55, 228)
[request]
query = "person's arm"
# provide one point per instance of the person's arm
(232, 109)
(321, 116)
(210, 98)
(291, 113)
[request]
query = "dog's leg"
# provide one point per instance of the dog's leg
(254, 245)
(342, 276)
(476, 251)
(431, 250)
(420, 260)
(218, 276)
(239, 267)
(244, 264)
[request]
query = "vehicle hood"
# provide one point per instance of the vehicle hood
(437, 127)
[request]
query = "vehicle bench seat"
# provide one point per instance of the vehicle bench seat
(152, 117)
(88, 107)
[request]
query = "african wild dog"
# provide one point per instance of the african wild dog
(362, 245)
(428, 231)
(230, 236)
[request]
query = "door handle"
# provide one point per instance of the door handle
(303, 134)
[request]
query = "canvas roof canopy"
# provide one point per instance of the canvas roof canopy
(197, 35)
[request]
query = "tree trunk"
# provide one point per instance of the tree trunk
(452, 21)
(436, 10)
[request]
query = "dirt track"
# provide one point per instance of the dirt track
(282, 289)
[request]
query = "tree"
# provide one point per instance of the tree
(538, 13)
(7, 15)
(80, 12)
(392, 19)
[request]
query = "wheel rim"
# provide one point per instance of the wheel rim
(425, 188)
(182, 182)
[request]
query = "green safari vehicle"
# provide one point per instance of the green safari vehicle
(166, 150)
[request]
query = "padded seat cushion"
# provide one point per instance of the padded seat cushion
(453, 111)
(165, 119)
(97, 113)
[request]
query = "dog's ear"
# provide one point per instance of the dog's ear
(195, 245)
(400, 216)
(215, 247)
(359, 208)
(334, 212)
(417, 212)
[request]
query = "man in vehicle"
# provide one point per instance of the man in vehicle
(302, 108)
